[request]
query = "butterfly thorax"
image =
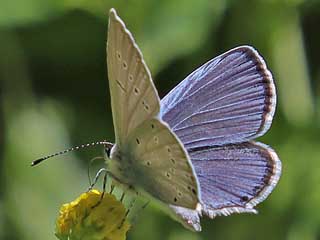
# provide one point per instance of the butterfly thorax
(120, 167)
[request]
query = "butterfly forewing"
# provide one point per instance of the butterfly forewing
(147, 154)
(134, 98)
(161, 164)
(229, 99)
(233, 179)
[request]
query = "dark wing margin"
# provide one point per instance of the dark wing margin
(236, 177)
(229, 99)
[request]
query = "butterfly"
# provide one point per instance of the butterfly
(193, 151)
(211, 118)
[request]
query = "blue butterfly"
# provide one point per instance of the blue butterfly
(193, 151)
(213, 115)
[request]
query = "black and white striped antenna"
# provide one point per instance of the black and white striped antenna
(107, 144)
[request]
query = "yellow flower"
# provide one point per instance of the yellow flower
(84, 219)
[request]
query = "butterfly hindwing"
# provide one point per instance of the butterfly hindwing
(229, 99)
(235, 177)
(134, 97)
(189, 218)
(161, 165)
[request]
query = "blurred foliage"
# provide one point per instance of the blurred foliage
(54, 94)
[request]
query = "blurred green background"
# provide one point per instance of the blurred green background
(54, 94)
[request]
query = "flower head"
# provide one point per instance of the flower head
(88, 219)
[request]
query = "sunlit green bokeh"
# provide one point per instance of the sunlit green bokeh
(54, 94)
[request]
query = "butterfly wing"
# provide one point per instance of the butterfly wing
(141, 156)
(160, 165)
(230, 99)
(134, 98)
(227, 100)
(235, 177)
(189, 218)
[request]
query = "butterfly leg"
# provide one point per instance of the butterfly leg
(131, 205)
(104, 184)
(89, 168)
(122, 196)
(112, 188)
(134, 218)
(96, 178)
(144, 206)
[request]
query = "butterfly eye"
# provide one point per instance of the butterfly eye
(107, 151)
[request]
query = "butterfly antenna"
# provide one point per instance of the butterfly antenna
(108, 144)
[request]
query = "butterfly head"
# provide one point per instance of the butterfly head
(109, 156)
(117, 163)
(107, 151)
